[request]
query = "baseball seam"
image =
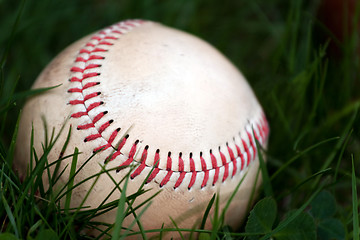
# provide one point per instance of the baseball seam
(87, 67)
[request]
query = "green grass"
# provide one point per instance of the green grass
(306, 79)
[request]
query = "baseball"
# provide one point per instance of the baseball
(155, 104)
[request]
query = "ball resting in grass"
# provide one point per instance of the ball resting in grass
(159, 103)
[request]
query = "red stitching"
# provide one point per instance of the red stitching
(89, 75)
(113, 156)
(156, 168)
(203, 163)
(232, 159)
(193, 172)
(91, 95)
(93, 105)
(130, 24)
(99, 116)
(216, 175)
(180, 180)
(252, 144)
(90, 66)
(79, 114)
(84, 51)
(127, 162)
(261, 133)
(94, 50)
(166, 178)
(204, 169)
(181, 170)
(153, 174)
(169, 163)
(226, 166)
(122, 143)
(90, 84)
(111, 37)
(181, 163)
(80, 59)
(76, 69)
(114, 133)
(213, 160)
(247, 152)
(96, 37)
(117, 31)
(76, 102)
(90, 45)
(73, 90)
(105, 43)
(109, 142)
(168, 168)
(96, 57)
(75, 79)
(104, 126)
(192, 164)
(85, 126)
(141, 167)
(102, 148)
(133, 150)
(99, 50)
(192, 180)
(206, 179)
(92, 137)
(214, 165)
(138, 170)
(157, 158)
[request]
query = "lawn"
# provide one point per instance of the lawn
(301, 59)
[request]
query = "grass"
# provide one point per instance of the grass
(305, 77)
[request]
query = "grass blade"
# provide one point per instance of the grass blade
(12, 34)
(354, 204)
(78, 209)
(10, 155)
(266, 179)
(120, 214)
(297, 156)
(207, 211)
(71, 180)
(338, 145)
(137, 221)
(177, 229)
(10, 214)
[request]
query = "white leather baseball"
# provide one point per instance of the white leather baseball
(156, 98)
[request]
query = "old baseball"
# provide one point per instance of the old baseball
(157, 99)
